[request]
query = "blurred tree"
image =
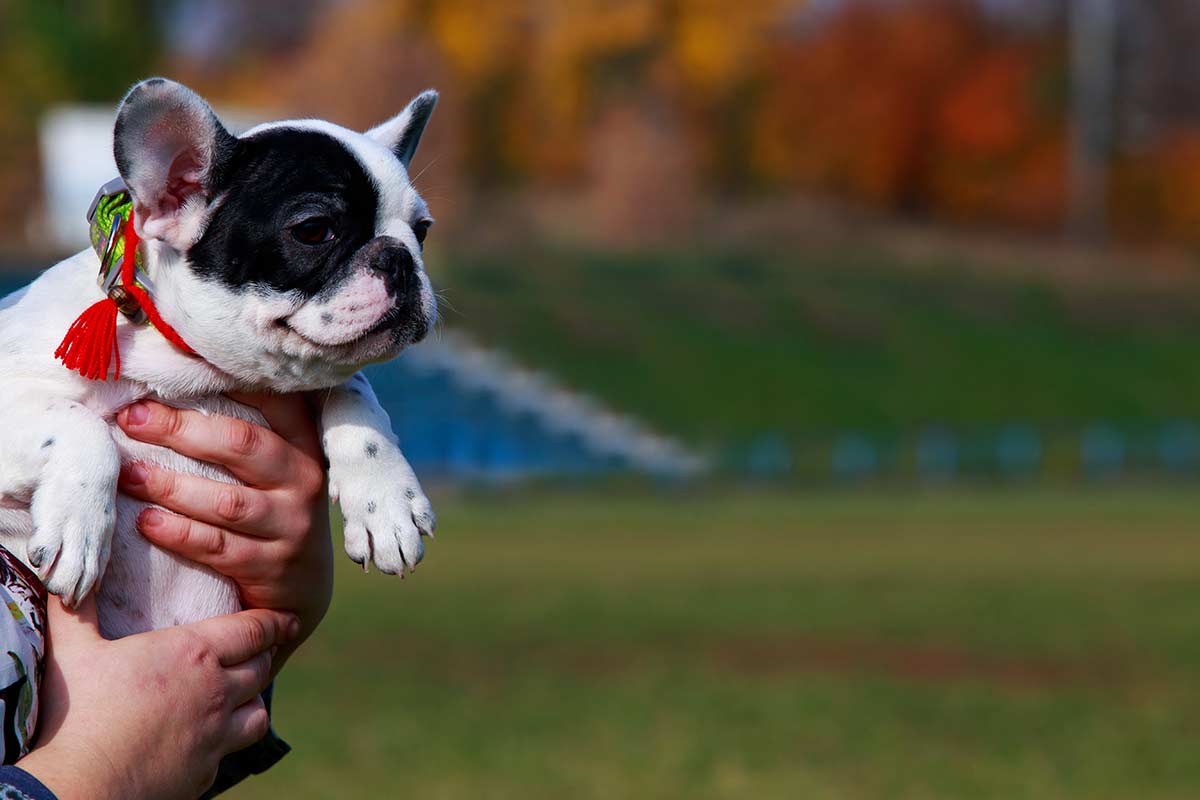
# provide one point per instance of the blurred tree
(56, 52)
(1093, 26)
(952, 108)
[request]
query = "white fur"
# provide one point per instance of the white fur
(61, 497)
(380, 525)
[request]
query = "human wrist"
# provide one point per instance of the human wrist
(75, 772)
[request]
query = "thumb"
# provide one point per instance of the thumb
(238, 637)
(73, 636)
(72, 628)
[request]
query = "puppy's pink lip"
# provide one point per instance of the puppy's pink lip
(284, 323)
(287, 325)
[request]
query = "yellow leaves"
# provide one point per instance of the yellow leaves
(716, 44)
(477, 37)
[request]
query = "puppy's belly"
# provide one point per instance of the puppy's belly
(146, 587)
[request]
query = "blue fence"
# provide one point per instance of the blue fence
(1020, 451)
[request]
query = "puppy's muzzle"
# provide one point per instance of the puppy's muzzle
(391, 259)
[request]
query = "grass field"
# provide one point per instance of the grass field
(717, 347)
(1008, 643)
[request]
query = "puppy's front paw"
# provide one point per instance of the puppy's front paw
(72, 534)
(386, 514)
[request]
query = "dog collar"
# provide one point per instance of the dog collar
(91, 341)
(107, 217)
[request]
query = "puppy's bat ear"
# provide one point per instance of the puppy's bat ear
(402, 133)
(172, 152)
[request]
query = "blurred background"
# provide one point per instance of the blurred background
(813, 412)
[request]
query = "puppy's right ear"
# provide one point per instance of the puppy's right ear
(173, 153)
(402, 133)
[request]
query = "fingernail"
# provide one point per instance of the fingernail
(149, 519)
(293, 628)
(136, 474)
(274, 650)
(137, 414)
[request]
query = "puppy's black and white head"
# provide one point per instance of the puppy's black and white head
(289, 256)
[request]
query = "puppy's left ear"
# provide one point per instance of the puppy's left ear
(402, 133)
(173, 153)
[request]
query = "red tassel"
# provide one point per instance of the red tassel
(91, 342)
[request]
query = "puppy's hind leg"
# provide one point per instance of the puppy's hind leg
(63, 455)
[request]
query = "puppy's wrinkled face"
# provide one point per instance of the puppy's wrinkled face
(299, 244)
(323, 228)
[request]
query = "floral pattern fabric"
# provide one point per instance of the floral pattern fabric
(22, 647)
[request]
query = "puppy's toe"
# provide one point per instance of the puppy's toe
(43, 551)
(77, 569)
(423, 516)
(412, 549)
(386, 547)
(358, 543)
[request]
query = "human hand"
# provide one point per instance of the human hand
(271, 536)
(151, 715)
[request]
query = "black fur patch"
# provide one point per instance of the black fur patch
(275, 180)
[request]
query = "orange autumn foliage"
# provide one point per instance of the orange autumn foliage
(929, 107)
(916, 106)
(1157, 192)
(999, 155)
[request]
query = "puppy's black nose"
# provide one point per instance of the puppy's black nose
(391, 259)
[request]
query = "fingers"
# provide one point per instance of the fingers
(213, 546)
(248, 723)
(251, 452)
(245, 680)
(224, 505)
(238, 637)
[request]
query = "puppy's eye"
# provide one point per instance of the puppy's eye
(315, 230)
(421, 229)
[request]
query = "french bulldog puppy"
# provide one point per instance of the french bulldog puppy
(286, 258)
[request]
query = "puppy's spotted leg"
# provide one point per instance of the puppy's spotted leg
(61, 456)
(386, 514)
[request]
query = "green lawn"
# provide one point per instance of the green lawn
(720, 346)
(1031, 643)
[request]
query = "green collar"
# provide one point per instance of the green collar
(107, 219)
(90, 344)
